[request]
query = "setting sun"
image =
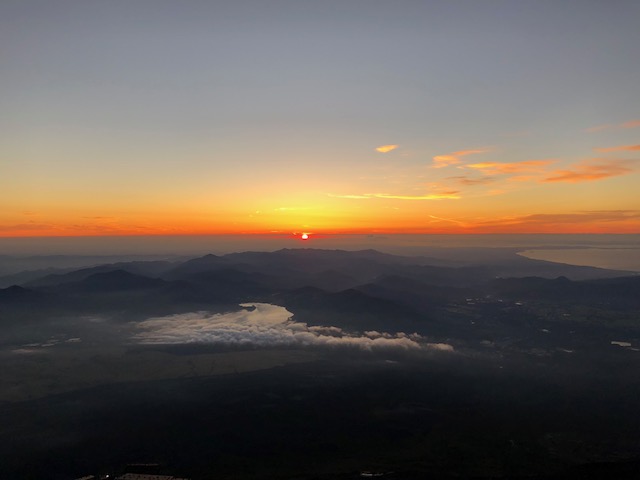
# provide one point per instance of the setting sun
(305, 236)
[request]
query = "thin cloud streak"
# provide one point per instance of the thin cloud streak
(621, 148)
(590, 170)
(451, 195)
(441, 161)
(624, 125)
(450, 220)
(587, 221)
(464, 180)
(353, 197)
(526, 166)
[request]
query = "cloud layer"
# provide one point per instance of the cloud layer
(268, 326)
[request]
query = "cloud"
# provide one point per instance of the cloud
(623, 125)
(268, 326)
(451, 195)
(590, 170)
(527, 166)
(442, 347)
(450, 220)
(630, 124)
(28, 227)
(621, 148)
(357, 197)
(99, 226)
(560, 219)
(386, 148)
(446, 195)
(288, 209)
(440, 161)
(464, 180)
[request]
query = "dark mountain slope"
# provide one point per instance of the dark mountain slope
(414, 293)
(350, 309)
(623, 292)
(149, 269)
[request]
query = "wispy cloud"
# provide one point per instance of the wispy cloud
(526, 166)
(554, 220)
(354, 197)
(289, 209)
(386, 148)
(581, 217)
(623, 125)
(590, 170)
(449, 194)
(449, 220)
(631, 124)
(28, 227)
(468, 181)
(440, 161)
(96, 226)
(620, 148)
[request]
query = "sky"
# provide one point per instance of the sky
(353, 116)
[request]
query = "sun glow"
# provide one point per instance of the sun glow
(304, 236)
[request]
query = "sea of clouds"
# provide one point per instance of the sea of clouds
(268, 325)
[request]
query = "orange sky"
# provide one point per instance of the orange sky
(429, 119)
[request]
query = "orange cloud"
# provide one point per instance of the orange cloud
(527, 166)
(440, 161)
(450, 220)
(464, 180)
(386, 148)
(351, 196)
(621, 148)
(576, 222)
(589, 170)
(24, 228)
(451, 194)
(629, 124)
(445, 160)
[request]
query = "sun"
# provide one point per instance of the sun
(304, 236)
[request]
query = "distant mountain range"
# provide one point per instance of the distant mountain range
(360, 290)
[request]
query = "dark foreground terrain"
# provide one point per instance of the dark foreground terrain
(409, 417)
(337, 365)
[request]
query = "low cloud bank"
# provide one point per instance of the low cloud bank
(268, 326)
